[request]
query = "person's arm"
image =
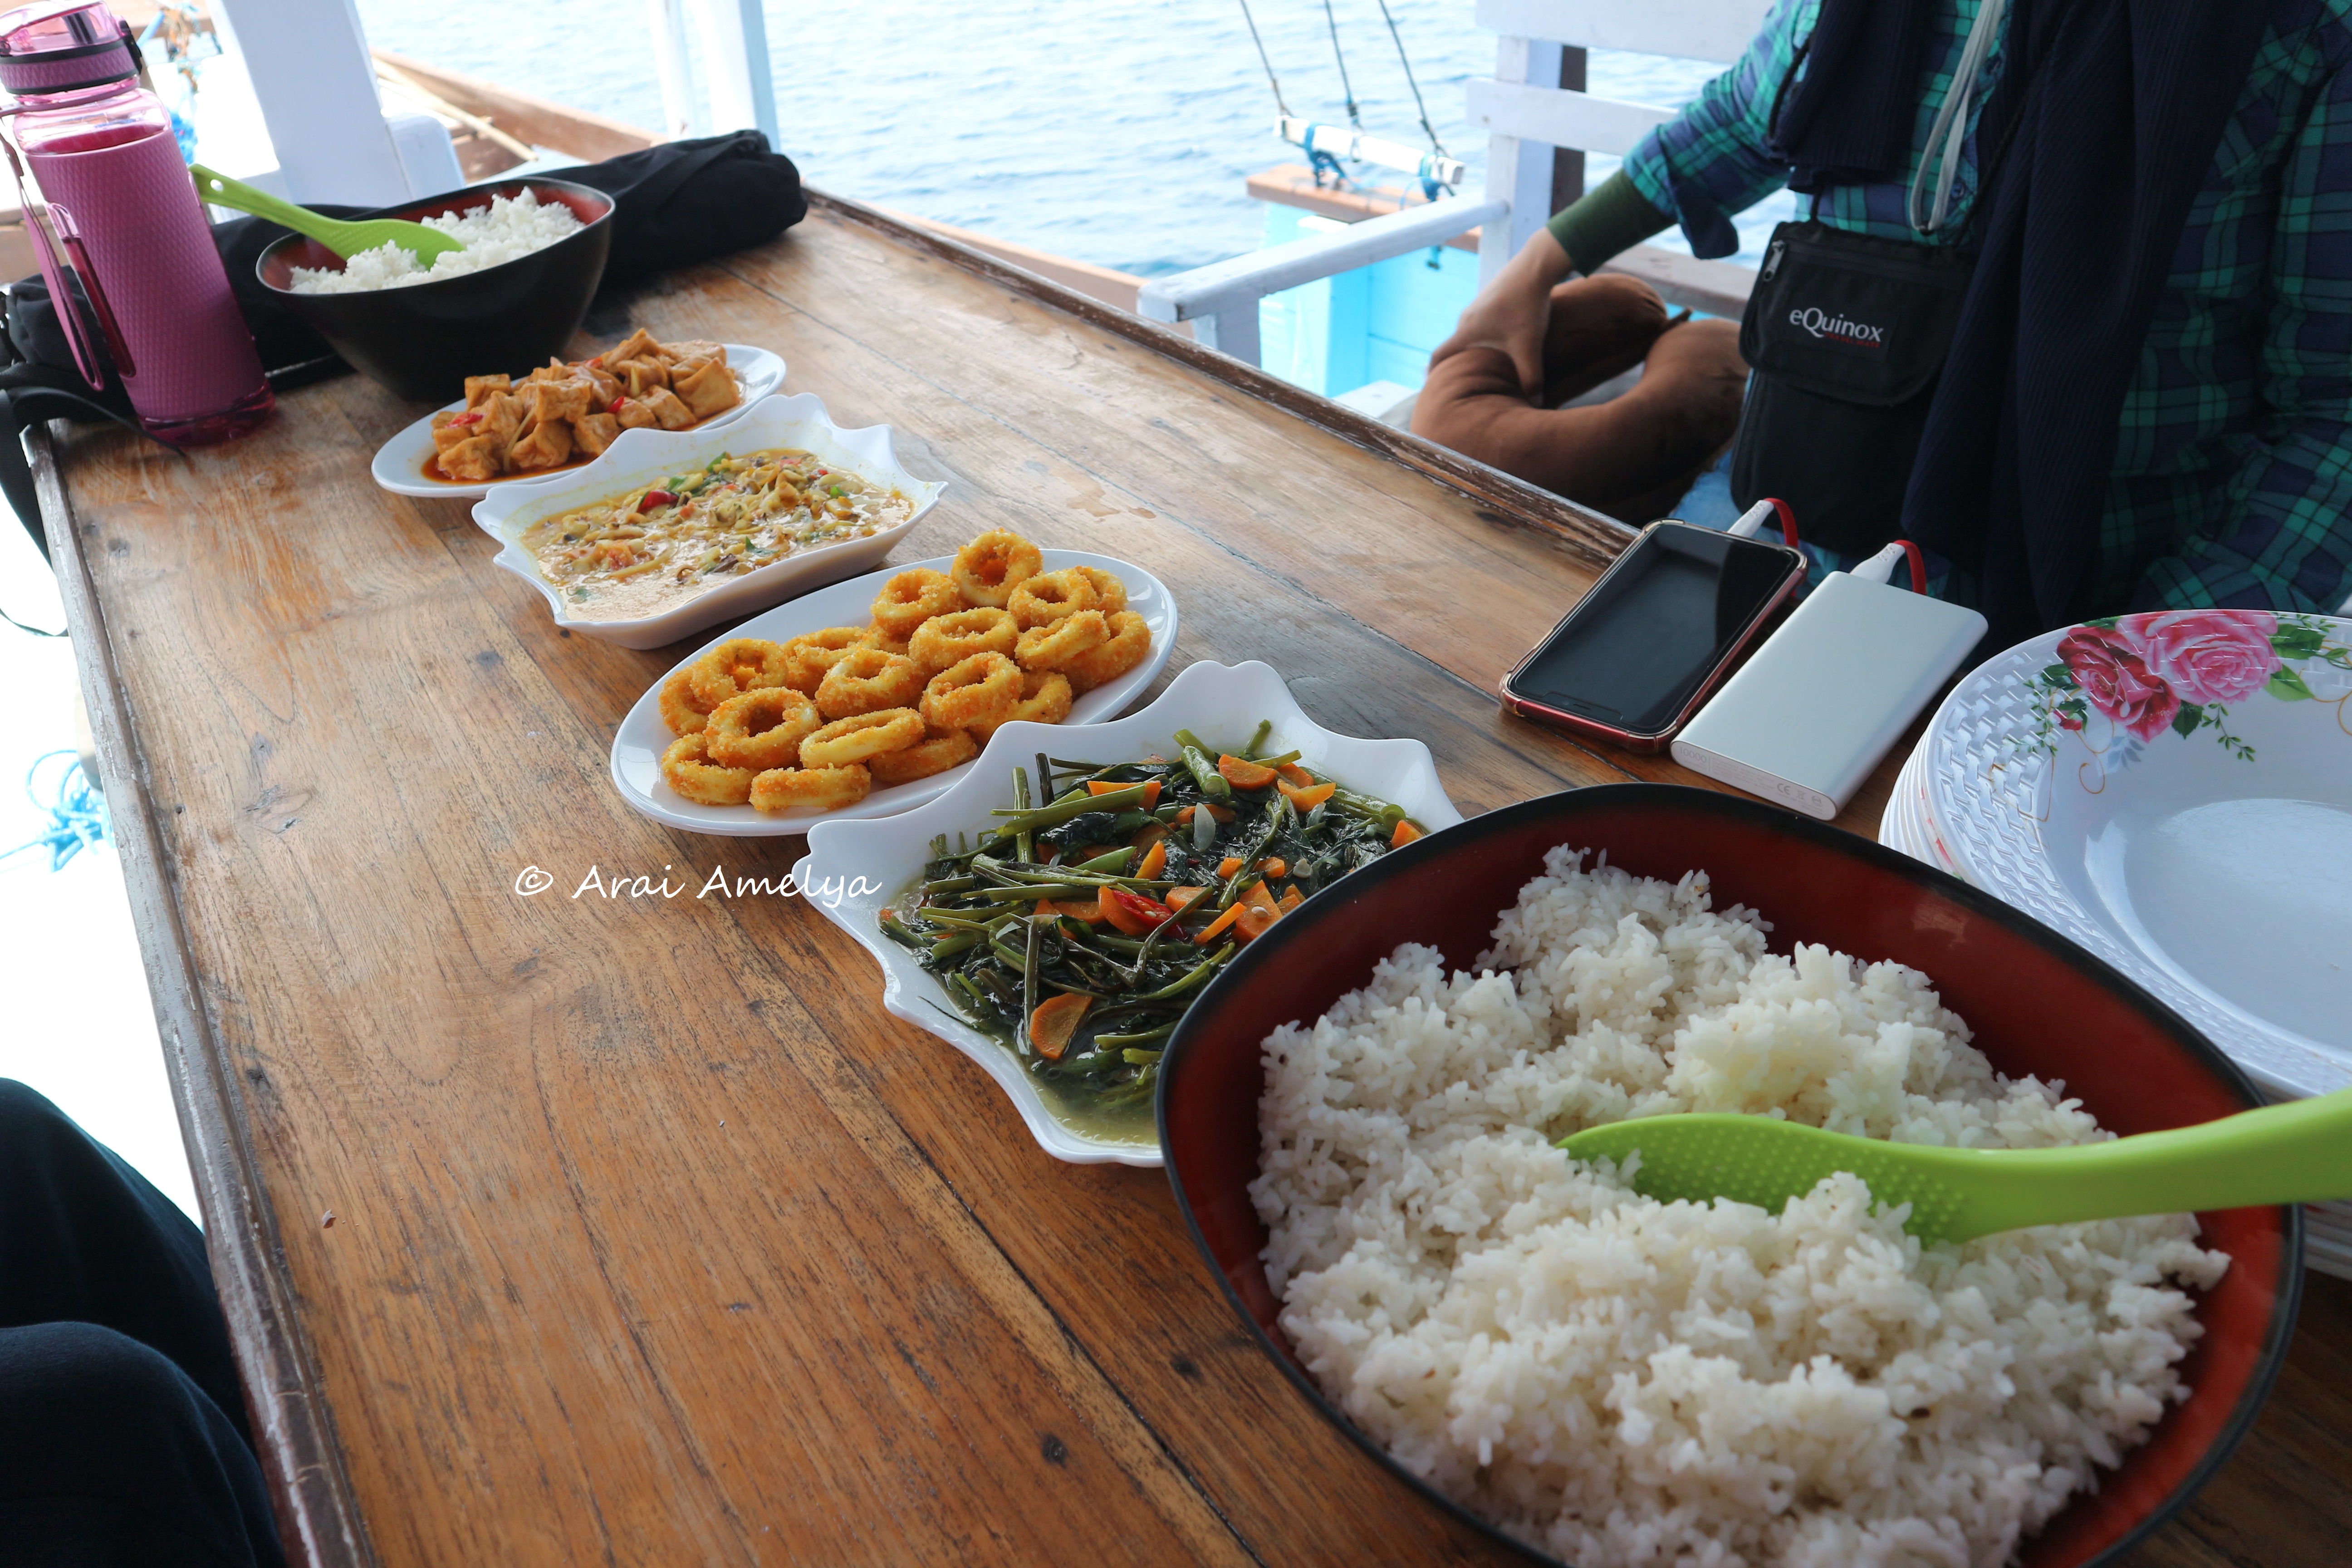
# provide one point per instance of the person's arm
(1707, 162)
(2281, 536)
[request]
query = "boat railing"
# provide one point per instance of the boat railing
(1539, 122)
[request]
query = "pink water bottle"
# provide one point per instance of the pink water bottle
(128, 222)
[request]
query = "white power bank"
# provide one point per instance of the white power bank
(1806, 719)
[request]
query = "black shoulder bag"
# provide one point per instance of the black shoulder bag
(1845, 335)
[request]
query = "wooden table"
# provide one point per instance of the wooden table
(579, 1230)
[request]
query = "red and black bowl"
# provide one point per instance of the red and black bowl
(2038, 1003)
(424, 340)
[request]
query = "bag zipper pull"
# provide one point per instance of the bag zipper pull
(1773, 258)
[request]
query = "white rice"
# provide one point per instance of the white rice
(1622, 1382)
(504, 229)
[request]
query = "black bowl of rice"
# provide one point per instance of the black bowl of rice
(1359, 1114)
(509, 301)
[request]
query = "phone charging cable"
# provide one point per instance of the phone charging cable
(1751, 521)
(1880, 568)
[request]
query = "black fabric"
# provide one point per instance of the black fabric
(2117, 106)
(685, 202)
(1844, 336)
(1848, 114)
(122, 1433)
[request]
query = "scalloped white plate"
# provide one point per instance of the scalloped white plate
(642, 738)
(640, 456)
(399, 464)
(853, 869)
(2217, 880)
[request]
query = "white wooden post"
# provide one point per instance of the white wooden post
(735, 53)
(1518, 170)
(316, 84)
(668, 20)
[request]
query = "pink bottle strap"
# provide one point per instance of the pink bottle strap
(53, 270)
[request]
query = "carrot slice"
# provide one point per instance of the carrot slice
(1055, 1021)
(1151, 795)
(1254, 923)
(1088, 914)
(1215, 928)
(1406, 834)
(1155, 860)
(1245, 775)
(1291, 898)
(1308, 797)
(1180, 898)
(1229, 865)
(1258, 898)
(1103, 786)
(1184, 817)
(1274, 867)
(1296, 775)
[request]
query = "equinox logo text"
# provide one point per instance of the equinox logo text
(1821, 324)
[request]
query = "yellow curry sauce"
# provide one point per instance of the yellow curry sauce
(654, 547)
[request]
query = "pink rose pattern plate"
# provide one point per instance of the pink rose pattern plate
(2091, 703)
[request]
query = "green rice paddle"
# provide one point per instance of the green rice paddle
(346, 237)
(2298, 1153)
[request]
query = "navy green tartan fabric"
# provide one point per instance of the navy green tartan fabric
(2232, 475)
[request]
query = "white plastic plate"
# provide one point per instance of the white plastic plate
(643, 737)
(399, 465)
(855, 869)
(641, 456)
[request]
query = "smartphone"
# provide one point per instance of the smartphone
(1639, 653)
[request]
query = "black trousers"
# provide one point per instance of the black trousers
(122, 1433)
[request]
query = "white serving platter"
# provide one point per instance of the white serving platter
(2192, 825)
(399, 464)
(855, 869)
(641, 456)
(643, 737)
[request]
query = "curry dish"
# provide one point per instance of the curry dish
(652, 548)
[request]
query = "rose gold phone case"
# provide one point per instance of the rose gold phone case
(1638, 741)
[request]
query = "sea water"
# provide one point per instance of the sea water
(1114, 132)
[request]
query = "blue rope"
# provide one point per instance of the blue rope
(77, 818)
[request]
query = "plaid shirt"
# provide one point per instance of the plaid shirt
(2232, 478)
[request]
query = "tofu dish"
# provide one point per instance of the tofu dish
(563, 413)
(652, 547)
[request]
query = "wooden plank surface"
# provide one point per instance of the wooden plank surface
(656, 1240)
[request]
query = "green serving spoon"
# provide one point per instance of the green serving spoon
(2298, 1153)
(346, 239)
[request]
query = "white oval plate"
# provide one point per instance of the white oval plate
(399, 465)
(643, 737)
(401, 462)
(640, 456)
(855, 869)
(2205, 858)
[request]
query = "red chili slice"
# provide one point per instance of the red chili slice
(615, 405)
(656, 498)
(473, 419)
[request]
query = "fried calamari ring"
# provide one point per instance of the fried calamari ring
(737, 666)
(935, 753)
(780, 790)
(1051, 646)
(876, 637)
(987, 570)
(860, 736)
(1049, 596)
(981, 690)
(1044, 699)
(687, 768)
(1130, 640)
(867, 680)
(944, 640)
(810, 655)
(681, 710)
(1111, 593)
(762, 730)
(912, 597)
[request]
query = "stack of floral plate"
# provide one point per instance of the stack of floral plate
(2174, 792)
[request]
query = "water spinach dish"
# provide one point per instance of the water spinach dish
(650, 549)
(1079, 931)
